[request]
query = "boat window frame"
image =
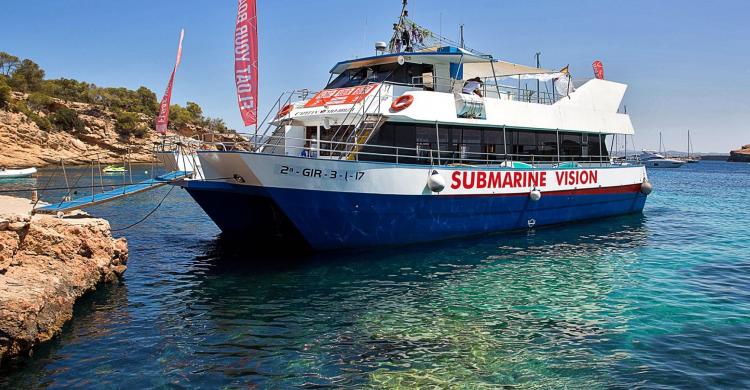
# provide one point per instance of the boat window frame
(452, 147)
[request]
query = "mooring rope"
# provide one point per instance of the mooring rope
(147, 215)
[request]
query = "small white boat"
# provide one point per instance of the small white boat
(114, 169)
(16, 173)
(656, 160)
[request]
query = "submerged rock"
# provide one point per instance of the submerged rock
(46, 263)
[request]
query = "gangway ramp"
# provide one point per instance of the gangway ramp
(115, 194)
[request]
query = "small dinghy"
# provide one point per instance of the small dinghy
(114, 169)
(16, 173)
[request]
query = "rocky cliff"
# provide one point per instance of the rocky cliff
(24, 144)
(46, 263)
(740, 155)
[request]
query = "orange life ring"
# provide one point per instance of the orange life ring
(285, 110)
(402, 102)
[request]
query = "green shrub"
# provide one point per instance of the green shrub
(140, 131)
(68, 89)
(179, 117)
(39, 101)
(216, 125)
(4, 95)
(195, 111)
(147, 102)
(20, 107)
(42, 122)
(128, 123)
(67, 120)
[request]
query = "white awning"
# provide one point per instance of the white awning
(502, 68)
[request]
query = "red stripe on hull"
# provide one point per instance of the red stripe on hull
(583, 191)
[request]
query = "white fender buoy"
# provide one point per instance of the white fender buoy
(535, 195)
(436, 182)
(646, 187)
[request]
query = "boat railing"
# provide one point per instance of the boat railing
(287, 97)
(351, 131)
(332, 150)
(489, 88)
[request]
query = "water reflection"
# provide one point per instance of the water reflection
(655, 301)
(505, 309)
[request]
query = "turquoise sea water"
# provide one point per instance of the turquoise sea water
(659, 300)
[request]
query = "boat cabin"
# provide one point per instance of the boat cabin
(519, 113)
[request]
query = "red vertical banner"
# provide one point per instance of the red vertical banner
(598, 69)
(246, 61)
(163, 119)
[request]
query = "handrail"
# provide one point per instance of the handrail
(302, 93)
(352, 109)
(364, 82)
(365, 111)
(489, 89)
(484, 157)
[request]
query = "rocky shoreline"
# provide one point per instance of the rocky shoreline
(46, 264)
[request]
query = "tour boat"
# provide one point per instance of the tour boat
(395, 150)
(16, 173)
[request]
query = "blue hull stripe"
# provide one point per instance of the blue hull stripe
(338, 220)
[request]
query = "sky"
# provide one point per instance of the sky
(687, 63)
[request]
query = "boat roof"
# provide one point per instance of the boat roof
(480, 64)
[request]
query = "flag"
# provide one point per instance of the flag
(163, 119)
(246, 61)
(598, 69)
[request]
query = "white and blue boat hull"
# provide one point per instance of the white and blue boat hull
(334, 204)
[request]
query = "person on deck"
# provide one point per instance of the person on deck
(306, 152)
(473, 86)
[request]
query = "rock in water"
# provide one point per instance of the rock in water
(740, 155)
(46, 263)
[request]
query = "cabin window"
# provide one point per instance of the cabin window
(522, 143)
(546, 146)
(427, 140)
(393, 72)
(570, 146)
(472, 144)
(493, 144)
(597, 146)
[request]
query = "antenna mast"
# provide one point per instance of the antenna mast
(401, 34)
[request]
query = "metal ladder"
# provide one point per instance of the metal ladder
(368, 126)
(277, 139)
(349, 134)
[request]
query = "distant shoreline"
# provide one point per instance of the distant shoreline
(715, 157)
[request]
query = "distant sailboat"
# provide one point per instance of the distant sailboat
(659, 159)
(690, 158)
